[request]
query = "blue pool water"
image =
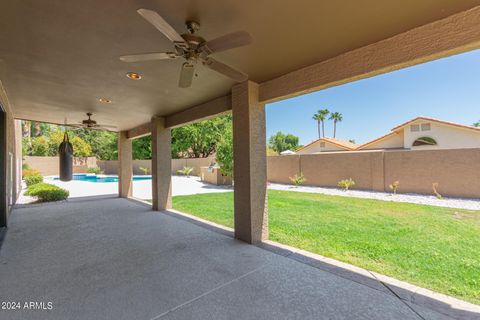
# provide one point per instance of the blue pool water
(94, 178)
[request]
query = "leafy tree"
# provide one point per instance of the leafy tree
(142, 148)
(199, 140)
(104, 143)
(81, 148)
(40, 146)
(336, 117)
(224, 154)
(54, 140)
(26, 146)
(477, 124)
(280, 142)
(271, 152)
(195, 140)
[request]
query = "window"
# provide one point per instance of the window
(414, 128)
(322, 144)
(424, 141)
(425, 126)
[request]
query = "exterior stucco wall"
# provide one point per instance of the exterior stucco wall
(447, 137)
(13, 153)
(394, 141)
(457, 171)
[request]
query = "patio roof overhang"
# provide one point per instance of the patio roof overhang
(57, 58)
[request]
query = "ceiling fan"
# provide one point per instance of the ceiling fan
(91, 124)
(192, 48)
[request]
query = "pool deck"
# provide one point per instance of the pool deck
(142, 189)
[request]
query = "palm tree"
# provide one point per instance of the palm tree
(324, 113)
(320, 117)
(317, 117)
(336, 117)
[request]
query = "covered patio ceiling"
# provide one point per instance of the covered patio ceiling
(58, 58)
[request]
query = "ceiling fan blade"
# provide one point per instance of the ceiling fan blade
(158, 22)
(186, 75)
(225, 70)
(226, 42)
(105, 126)
(149, 56)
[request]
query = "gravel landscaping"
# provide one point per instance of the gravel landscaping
(468, 204)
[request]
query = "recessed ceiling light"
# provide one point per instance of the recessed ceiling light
(134, 76)
(105, 100)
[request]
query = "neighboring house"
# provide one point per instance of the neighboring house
(421, 133)
(427, 133)
(327, 144)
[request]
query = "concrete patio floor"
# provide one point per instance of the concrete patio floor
(114, 258)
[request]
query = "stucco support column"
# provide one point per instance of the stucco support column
(250, 164)
(125, 170)
(161, 165)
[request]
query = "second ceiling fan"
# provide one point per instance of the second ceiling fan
(193, 49)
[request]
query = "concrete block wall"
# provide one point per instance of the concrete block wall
(49, 166)
(457, 172)
(111, 166)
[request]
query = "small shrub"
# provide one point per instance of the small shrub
(186, 171)
(95, 170)
(144, 170)
(31, 180)
(394, 186)
(46, 192)
(298, 180)
(435, 192)
(25, 166)
(30, 172)
(346, 184)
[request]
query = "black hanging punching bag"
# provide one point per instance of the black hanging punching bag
(65, 153)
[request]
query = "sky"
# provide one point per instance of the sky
(447, 89)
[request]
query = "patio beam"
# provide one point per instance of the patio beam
(140, 131)
(199, 112)
(125, 171)
(250, 164)
(452, 35)
(161, 165)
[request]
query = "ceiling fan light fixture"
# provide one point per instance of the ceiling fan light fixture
(134, 76)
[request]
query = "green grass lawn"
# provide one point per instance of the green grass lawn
(432, 247)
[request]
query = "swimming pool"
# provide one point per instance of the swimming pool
(102, 178)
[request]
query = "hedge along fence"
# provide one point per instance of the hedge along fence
(457, 172)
